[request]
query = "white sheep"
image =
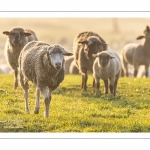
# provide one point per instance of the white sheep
(106, 66)
(136, 55)
(43, 65)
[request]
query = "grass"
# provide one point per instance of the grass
(73, 110)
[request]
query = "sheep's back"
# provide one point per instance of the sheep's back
(32, 37)
(113, 69)
(29, 56)
(85, 35)
(128, 52)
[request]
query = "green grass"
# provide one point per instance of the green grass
(72, 110)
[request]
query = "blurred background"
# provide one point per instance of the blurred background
(115, 31)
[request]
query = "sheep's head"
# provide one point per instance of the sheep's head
(17, 36)
(146, 34)
(103, 58)
(55, 55)
(92, 45)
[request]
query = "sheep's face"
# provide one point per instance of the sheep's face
(103, 59)
(17, 36)
(91, 46)
(146, 34)
(57, 60)
(55, 55)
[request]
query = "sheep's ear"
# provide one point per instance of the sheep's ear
(6, 32)
(66, 53)
(140, 37)
(94, 55)
(110, 56)
(43, 52)
(27, 33)
(83, 42)
(103, 44)
(147, 28)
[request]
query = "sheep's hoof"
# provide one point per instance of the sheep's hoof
(15, 87)
(36, 110)
(46, 115)
(27, 111)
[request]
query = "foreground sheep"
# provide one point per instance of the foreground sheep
(106, 66)
(137, 55)
(17, 39)
(44, 66)
(85, 44)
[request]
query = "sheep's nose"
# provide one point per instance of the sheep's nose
(58, 65)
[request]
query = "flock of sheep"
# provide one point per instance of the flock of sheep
(44, 64)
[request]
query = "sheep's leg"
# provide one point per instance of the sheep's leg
(106, 86)
(136, 67)
(37, 101)
(93, 83)
(111, 86)
(146, 70)
(115, 84)
(26, 100)
(125, 68)
(25, 87)
(16, 78)
(47, 99)
(84, 80)
(97, 85)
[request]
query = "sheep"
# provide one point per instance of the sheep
(106, 66)
(68, 62)
(16, 40)
(137, 55)
(43, 65)
(85, 44)
(73, 68)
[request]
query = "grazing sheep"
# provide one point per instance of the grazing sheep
(17, 39)
(43, 65)
(106, 66)
(73, 68)
(85, 44)
(137, 55)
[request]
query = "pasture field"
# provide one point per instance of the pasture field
(73, 110)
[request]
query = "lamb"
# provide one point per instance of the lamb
(137, 55)
(43, 65)
(106, 66)
(85, 44)
(16, 40)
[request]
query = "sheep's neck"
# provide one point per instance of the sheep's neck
(146, 47)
